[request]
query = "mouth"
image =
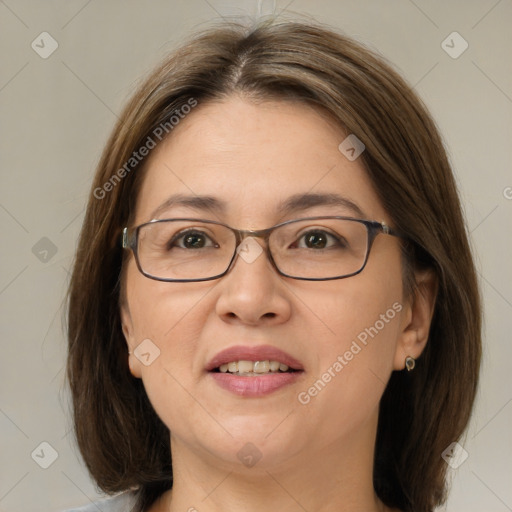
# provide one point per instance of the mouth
(254, 371)
(253, 361)
(246, 368)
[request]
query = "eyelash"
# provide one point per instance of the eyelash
(181, 235)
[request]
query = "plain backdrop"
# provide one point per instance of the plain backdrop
(56, 112)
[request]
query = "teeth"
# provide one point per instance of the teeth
(244, 367)
(274, 366)
(261, 366)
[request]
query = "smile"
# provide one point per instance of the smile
(254, 368)
(254, 384)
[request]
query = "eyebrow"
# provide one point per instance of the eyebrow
(292, 204)
(309, 200)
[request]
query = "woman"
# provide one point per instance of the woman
(273, 304)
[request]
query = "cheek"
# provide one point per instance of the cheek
(162, 311)
(172, 316)
(354, 346)
(358, 329)
(362, 308)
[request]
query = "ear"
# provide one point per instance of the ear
(416, 318)
(128, 331)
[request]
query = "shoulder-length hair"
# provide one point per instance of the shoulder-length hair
(123, 442)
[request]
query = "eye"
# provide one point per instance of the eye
(318, 239)
(191, 239)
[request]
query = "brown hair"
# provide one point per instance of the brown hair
(123, 442)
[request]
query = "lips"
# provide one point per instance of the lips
(257, 353)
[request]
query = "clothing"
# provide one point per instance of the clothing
(121, 503)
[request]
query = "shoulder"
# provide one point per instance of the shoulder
(115, 504)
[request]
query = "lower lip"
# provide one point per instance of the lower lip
(254, 386)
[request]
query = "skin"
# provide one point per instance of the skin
(317, 456)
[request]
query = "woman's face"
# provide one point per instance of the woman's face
(345, 334)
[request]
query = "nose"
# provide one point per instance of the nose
(253, 292)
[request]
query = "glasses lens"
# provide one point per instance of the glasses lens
(320, 248)
(174, 249)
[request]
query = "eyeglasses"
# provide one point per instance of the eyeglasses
(311, 249)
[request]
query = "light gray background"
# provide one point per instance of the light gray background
(57, 113)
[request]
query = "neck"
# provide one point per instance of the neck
(329, 478)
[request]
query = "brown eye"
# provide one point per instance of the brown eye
(318, 239)
(191, 240)
(315, 240)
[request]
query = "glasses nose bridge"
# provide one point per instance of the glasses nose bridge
(242, 234)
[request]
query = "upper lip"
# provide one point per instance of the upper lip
(253, 353)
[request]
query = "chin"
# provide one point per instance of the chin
(264, 447)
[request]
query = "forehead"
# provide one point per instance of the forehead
(253, 157)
